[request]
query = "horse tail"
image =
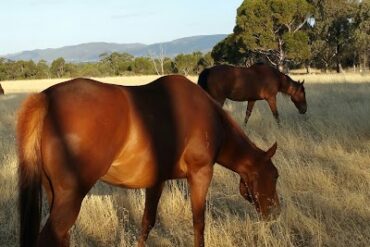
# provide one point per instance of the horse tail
(29, 128)
(202, 80)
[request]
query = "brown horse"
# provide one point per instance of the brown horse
(1, 90)
(77, 132)
(257, 82)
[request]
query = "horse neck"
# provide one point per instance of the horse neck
(287, 85)
(236, 148)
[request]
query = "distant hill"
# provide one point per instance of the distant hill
(90, 52)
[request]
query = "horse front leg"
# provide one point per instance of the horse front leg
(199, 182)
(152, 196)
(272, 103)
(248, 112)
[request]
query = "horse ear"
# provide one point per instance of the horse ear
(271, 151)
(302, 82)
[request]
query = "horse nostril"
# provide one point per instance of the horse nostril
(303, 111)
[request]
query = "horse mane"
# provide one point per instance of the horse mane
(287, 82)
(202, 80)
(292, 82)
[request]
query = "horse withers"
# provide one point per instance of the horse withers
(77, 132)
(258, 82)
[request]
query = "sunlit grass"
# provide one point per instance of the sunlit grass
(27, 86)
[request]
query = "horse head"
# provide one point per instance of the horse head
(258, 185)
(298, 96)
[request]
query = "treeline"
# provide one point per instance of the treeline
(326, 34)
(114, 64)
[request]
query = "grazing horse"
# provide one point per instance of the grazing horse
(257, 82)
(1, 90)
(77, 132)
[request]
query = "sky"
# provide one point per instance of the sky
(40, 24)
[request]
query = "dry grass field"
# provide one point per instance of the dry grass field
(323, 159)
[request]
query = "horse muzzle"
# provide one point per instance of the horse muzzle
(271, 214)
(302, 110)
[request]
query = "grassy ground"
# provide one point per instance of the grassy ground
(323, 159)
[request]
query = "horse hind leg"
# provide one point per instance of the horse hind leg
(65, 190)
(152, 196)
(46, 183)
(64, 212)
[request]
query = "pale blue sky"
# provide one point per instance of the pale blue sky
(39, 24)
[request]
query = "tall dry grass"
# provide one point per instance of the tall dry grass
(324, 164)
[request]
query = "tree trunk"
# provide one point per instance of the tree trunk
(326, 69)
(339, 68)
(365, 61)
(281, 56)
(308, 69)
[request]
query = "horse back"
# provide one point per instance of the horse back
(266, 77)
(257, 82)
(218, 81)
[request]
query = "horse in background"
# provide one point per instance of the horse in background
(78, 132)
(1, 90)
(258, 82)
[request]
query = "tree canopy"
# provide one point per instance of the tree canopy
(325, 33)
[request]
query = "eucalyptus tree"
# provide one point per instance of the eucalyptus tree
(272, 29)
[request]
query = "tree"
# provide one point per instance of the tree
(272, 29)
(205, 61)
(186, 63)
(143, 65)
(117, 63)
(57, 67)
(332, 34)
(362, 34)
(158, 61)
(3, 69)
(87, 69)
(29, 69)
(42, 70)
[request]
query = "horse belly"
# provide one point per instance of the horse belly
(132, 170)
